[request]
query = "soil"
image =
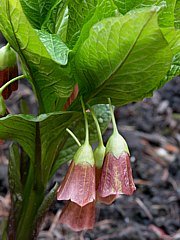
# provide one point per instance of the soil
(152, 130)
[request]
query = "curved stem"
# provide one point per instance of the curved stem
(73, 136)
(9, 82)
(86, 122)
(97, 126)
(115, 130)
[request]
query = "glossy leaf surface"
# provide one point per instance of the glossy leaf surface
(123, 65)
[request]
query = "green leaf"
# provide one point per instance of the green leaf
(56, 48)
(173, 38)
(104, 117)
(177, 14)
(45, 132)
(79, 13)
(19, 129)
(53, 83)
(123, 65)
(166, 17)
(127, 5)
(104, 9)
(36, 11)
(57, 19)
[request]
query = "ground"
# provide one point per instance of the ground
(152, 130)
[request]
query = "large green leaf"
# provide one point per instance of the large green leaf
(166, 17)
(104, 9)
(79, 13)
(39, 136)
(36, 10)
(53, 83)
(123, 65)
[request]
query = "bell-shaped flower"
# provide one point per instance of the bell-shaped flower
(108, 199)
(116, 177)
(99, 154)
(78, 218)
(79, 182)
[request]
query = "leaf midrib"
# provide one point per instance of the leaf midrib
(112, 75)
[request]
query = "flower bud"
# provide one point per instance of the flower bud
(8, 69)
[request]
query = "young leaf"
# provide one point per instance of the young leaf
(123, 65)
(56, 48)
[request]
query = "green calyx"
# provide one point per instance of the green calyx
(2, 106)
(7, 57)
(116, 145)
(84, 155)
(99, 154)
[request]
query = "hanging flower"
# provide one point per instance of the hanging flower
(78, 184)
(108, 199)
(78, 218)
(116, 177)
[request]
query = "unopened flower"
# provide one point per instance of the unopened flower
(8, 70)
(78, 218)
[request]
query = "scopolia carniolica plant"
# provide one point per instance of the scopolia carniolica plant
(74, 54)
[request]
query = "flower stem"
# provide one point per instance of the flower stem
(86, 122)
(115, 130)
(9, 82)
(97, 126)
(73, 136)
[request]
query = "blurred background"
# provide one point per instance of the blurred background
(152, 130)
